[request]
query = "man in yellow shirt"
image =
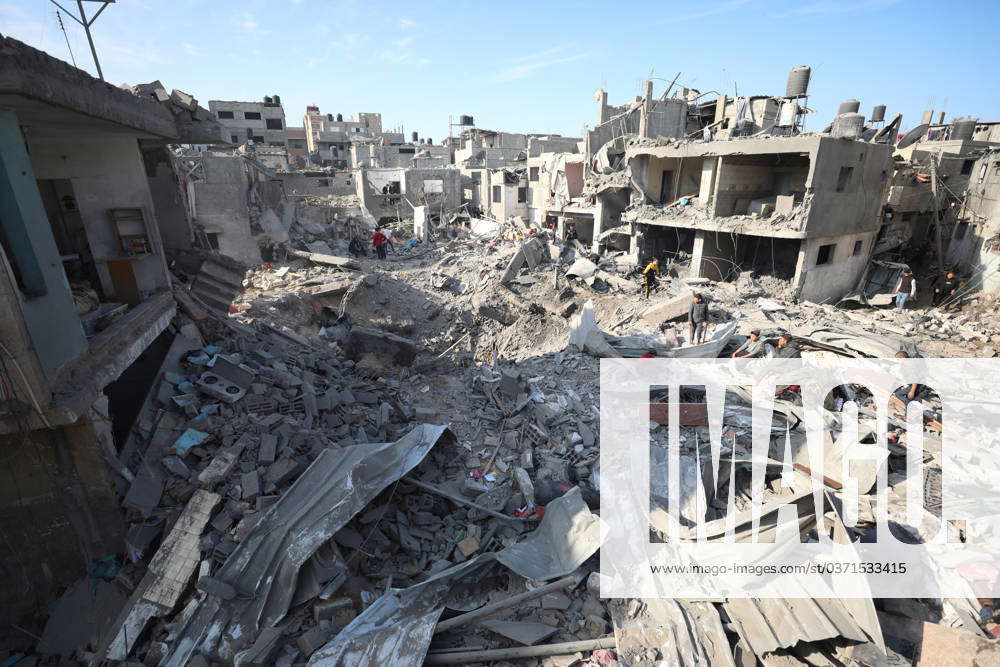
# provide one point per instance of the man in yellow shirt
(647, 274)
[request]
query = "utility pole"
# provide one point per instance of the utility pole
(937, 209)
(86, 23)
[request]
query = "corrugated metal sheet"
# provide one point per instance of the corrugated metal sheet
(264, 568)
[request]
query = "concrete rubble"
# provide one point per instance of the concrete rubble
(491, 513)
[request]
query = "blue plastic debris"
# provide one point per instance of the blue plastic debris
(189, 438)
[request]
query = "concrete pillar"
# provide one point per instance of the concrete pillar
(560, 227)
(928, 117)
(602, 113)
(697, 253)
(720, 109)
(647, 107)
(47, 303)
(599, 224)
(800, 266)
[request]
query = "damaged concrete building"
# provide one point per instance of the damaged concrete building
(745, 190)
(262, 123)
(329, 137)
(86, 295)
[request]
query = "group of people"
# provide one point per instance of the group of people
(383, 241)
(945, 287)
(754, 347)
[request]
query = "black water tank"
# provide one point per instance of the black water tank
(340, 118)
(413, 137)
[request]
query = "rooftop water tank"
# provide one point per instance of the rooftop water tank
(430, 142)
(277, 99)
(787, 115)
(798, 81)
(267, 100)
(962, 129)
(340, 118)
(413, 137)
(465, 120)
(848, 126)
(848, 106)
(878, 113)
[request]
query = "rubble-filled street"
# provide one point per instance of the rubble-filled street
(331, 393)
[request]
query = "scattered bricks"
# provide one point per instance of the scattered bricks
(282, 471)
(268, 446)
(469, 546)
(222, 522)
(220, 466)
(216, 587)
(250, 481)
(177, 467)
(312, 640)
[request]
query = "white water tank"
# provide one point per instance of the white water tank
(786, 116)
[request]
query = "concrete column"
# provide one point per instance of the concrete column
(647, 107)
(560, 227)
(697, 253)
(599, 224)
(47, 304)
(602, 114)
(800, 266)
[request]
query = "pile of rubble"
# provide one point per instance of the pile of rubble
(399, 463)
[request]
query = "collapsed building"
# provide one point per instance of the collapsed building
(87, 295)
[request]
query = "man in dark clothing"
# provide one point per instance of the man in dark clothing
(697, 319)
(787, 348)
(905, 288)
(356, 247)
(571, 233)
(945, 287)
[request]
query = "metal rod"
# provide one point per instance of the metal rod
(90, 39)
(565, 648)
(459, 499)
(565, 582)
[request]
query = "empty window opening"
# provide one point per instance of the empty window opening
(522, 195)
(323, 182)
(858, 245)
(213, 240)
(258, 140)
(235, 139)
(825, 254)
(225, 115)
(496, 194)
(274, 124)
(251, 115)
(844, 178)
(533, 173)
(967, 167)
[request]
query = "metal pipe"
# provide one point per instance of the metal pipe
(565, 582)
(459, 499)
(90, 39)
(565, 648)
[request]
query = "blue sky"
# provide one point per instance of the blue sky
(533, 67)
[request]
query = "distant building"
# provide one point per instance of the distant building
(262, 122)
(329, 137)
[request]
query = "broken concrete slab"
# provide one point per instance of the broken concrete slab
(942, 645)
(581, 268)
(526, 633)
(673, 309)
(327, 259)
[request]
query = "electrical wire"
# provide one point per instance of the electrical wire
(27, 387)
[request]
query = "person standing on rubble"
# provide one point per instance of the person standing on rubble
(751, 348)
(945, 287)
(379, 240)
(571, 233)
(647, 275)
(906, 287)
(697, 319)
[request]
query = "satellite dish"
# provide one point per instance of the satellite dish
(913, 135)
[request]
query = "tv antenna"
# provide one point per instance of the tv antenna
(86, 23)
